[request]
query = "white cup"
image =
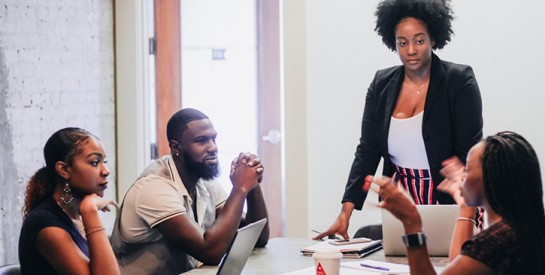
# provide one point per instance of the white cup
(327, 261)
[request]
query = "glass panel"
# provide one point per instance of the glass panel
(219, 72)
(152, 104)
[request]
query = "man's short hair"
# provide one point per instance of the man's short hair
(177, 124)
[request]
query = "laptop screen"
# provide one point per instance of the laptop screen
(437, 222)
(240, 248)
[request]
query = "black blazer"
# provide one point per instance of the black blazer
(451, 125)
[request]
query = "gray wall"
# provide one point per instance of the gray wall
(56, 70)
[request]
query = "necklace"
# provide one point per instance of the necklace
(78, 222)
(419, 89)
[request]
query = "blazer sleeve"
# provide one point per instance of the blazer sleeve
(367, 156)
(467, 117)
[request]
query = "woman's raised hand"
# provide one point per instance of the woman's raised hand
(93, 202)
(454, 173)
(396, 200)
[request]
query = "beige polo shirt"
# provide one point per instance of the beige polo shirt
(157, 195)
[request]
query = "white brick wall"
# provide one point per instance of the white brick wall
(56, 70)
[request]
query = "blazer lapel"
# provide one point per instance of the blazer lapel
(434, 88)
(391, 90)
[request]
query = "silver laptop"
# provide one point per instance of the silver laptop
(240, 248)
(437, 222)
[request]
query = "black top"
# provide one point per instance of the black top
(451, 125)
(499, 247)
(46, 214)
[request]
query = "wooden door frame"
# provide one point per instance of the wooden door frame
(269, 109)
(168, 64)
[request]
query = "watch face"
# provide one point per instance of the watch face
(413, 240)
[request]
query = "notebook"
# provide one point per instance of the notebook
(240, 248)
(437, 222)
(351, 251)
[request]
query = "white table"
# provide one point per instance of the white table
(282, 255)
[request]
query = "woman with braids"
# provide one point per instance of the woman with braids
(417, 114)
(62, 232)
(503, 176)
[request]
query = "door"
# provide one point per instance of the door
(230, 70)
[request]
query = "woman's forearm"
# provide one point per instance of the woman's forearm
(463, 230)
(102, 258)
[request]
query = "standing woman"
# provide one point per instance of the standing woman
(416, 115)
(62, 232)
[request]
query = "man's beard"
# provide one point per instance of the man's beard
(202, 170)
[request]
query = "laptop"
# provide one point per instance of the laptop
(437, 222)
(240, 248)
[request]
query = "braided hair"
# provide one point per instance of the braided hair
(513, 188)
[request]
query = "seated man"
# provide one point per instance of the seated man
(175, 215)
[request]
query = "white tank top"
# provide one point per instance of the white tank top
(406, 144)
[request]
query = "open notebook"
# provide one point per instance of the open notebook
(240, 248)
(437, 222)
(354, 251)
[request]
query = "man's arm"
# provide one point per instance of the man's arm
(257, 210)
(210, 246)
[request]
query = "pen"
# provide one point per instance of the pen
(375, 267)
(331, 237)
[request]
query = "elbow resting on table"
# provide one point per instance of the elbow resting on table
(212, 260)
(209, 255)
(262, 242)
(263, 237)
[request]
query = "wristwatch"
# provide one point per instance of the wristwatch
(414, 240)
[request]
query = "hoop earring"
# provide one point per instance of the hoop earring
(66, 196)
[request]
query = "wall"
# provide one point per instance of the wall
(500, 40)
(56, 70)
(295, 118)
(133, 78)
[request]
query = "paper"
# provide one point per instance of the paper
(348, 269)
(356, 250)
(349, 241)
(344, 271)
(378, 267)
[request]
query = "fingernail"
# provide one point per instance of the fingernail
(366, 185)
(449, 159)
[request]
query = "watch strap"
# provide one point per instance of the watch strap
(414, 239)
